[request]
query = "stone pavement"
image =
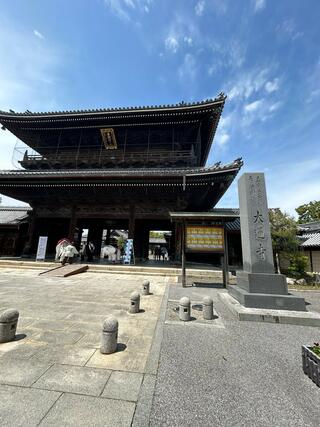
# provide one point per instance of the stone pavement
(221, 372)
(54, 374)
(230, 373)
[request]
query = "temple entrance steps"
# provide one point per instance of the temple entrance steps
(205, 274)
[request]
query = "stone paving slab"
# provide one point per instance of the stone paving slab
(74, 379)
(24, 407)
(76, 410)
(67, 355)
(21, 372)
(123, 385)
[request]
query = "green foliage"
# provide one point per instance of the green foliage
(156, 234)
(316, 349)
(283, 231)
(121, 242)
(309, 212)
(298, 265)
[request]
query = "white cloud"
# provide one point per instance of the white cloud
(248, 84)
(188, 40)
(274, 107)
(124, 8)
(223, 132)
(288, 28)
(199, 7)
(188, 69)
(253, 106)
(272, 86)
(226, 55)
(259, 5)
(171, 44)
(38, 34)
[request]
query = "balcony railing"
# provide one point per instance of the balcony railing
(109, 159)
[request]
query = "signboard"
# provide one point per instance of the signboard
(201, 238)
(42, 247)
(128, 252)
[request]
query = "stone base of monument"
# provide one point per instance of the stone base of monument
(288, 317)
(263, 290)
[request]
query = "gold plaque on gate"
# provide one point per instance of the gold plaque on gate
(109, 138)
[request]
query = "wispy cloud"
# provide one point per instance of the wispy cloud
(199, 7)
(289, 29)
(38, 34)
(188, 69)
(123, 9)
(227, 54)
(253, 106)
(223, 133)
(272, 86)
(171, 44)
(259, 5)
(248, 84)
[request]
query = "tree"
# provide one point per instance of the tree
(283, 233)
(309, 212)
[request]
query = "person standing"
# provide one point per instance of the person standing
(68, 254)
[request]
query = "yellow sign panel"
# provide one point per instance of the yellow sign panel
(204, 239)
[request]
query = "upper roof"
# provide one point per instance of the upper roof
(32, 127)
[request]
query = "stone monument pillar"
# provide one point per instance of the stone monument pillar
(257, 285)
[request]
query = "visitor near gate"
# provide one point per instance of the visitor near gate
(68, 254)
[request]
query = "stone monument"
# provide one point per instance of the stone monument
(257, 285)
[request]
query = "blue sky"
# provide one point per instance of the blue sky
(264, 54)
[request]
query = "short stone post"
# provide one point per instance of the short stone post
(8, 325)
(146, 288)
(207, 304)
(134, 303)
(109, 339)
(184, 309)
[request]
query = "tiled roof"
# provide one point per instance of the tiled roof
(313, 240)
(13, 215)
(181, 105)
(123, 172)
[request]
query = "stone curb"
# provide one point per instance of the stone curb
(144, 404)
(302, 318)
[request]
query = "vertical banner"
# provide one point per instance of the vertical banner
(128, 252)
(42, 247)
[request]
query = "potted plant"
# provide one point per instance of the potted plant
(311, 362)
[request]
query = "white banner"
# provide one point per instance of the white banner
(42, 247)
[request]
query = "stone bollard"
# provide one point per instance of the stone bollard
(184, 309)
(146, 288)
(134, 303)
(109, 339)
(8, 325)
(207, 305)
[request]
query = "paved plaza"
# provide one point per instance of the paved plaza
(54, 373)
(221, 372)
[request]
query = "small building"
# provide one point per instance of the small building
(13, 229)
(310, 243)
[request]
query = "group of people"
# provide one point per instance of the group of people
(160, 252)
(66, 251)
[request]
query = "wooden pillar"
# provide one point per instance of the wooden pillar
(107, 241)
(183, 255)
(72, 225)
(131, 223)
(225, 260)
(177, 242)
